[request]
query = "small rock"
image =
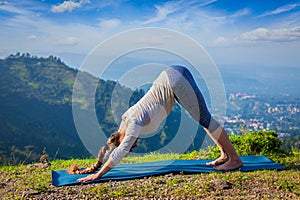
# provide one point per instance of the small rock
(2, 185)
(221, 184)
(169, 175)
(29, 192)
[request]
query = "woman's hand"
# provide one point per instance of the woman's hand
(89, 178)
(92, 177)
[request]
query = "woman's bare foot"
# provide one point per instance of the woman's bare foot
(218, 161)
(231, 164)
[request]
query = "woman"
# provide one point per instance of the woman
(174, 83)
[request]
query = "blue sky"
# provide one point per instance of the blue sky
(234, 32)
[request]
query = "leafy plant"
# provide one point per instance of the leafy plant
(254, 143)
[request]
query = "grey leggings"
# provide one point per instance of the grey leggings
(188, 95)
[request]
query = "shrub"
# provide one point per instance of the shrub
(254, 143)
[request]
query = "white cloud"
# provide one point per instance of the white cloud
(275, 35)
(259, 35)
(68, 5)
(170, 7)
(109, 24)
(240, 13)
(220, 41)
(32, 37)
(6, 6)
(280, 10)
(52, 38)
(161, 13)
(218, 18)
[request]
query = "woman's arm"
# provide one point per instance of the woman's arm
(116, 156)
(118, 153)
(92, 177)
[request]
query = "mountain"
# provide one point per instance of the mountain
(36, 110)
(261, 80)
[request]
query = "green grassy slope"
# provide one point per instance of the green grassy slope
(34, 182)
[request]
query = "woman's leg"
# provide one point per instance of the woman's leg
(230, 160)
(190, 97)
(223, 157)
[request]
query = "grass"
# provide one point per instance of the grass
(32, 181)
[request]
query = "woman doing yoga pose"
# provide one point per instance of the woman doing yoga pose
(175, 83)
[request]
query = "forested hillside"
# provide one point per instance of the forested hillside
(36, 111)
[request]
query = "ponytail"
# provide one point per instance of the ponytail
(103, 155)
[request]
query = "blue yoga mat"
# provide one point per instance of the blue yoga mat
(140, 170)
